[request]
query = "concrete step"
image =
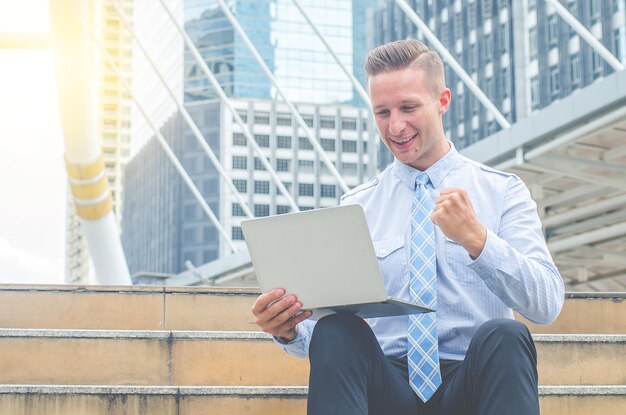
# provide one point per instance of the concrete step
(587, 313)
(193, 358)
(213, 308)
(97, 400)
(126, 308)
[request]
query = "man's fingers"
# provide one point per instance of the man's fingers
(291, 322)
(279, 306)
(265, 299)
(284, 315)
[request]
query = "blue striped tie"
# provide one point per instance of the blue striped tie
(423, 353)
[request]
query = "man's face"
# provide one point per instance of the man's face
(408, 115)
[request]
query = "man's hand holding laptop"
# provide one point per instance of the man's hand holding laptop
(277, 316)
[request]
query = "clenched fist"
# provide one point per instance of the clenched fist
(454, 215)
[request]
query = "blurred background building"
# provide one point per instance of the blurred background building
(522, 54)
(114, 128)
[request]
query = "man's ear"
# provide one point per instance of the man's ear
(444, 100)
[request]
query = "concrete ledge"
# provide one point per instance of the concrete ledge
(582, 390)
(581, 338)
(136, 334)
(256, 390)
(87, 334)
(249, 335)
(154, 390)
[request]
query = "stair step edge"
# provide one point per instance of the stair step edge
(249, 335)
(559, 390)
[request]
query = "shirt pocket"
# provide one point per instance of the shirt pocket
(457, 259)
(391, 258)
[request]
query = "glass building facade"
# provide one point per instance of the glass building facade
(164, 225)
(304, 69)
(520, 53)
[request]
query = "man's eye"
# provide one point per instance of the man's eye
(409, 109)
(382, 113)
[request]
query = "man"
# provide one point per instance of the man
(448, 232)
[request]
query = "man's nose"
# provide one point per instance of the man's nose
(397, 124)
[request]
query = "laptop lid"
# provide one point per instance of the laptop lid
(323, 256)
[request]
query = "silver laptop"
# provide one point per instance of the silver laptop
(326, 258)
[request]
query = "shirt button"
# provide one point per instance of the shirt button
(383, 252)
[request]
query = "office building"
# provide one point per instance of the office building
(164, 225)
(520, 53)
(114, 120)
(304, 69)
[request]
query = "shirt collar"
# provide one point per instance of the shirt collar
(436, 173)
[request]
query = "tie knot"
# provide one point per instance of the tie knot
(421, 179)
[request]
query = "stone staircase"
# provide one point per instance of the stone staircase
(156, 350)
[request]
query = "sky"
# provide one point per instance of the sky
(32, 173)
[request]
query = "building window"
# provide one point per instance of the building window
(532, 42)
(471, 15)
(504, 38)
(262, 118)
(328, 144)
(505, 83)
(283, 118)
(305, 189)
(554, 82)
(239, 139)
(304, 143)
(210, 186)
(261, 210)
(241, 185)
(489, 88)
(348, 123)
(348, 146)
(191, 212)
(620, 43)
(304, 208)
(328, 190)
(308, 120)
(327, 122)
(262, 187)
(575, 71)
(596, 65)
(488, 47)
(594, 11)
(348, 168)
(287, 187)
(189, 235)
(305, 166)
(263, 140)
(283, 141)
(280, 209)
(240, 162)
(473, 59)
(237, 233)
(243, 114)
(283, 164)
(486, 9)
(534, 92)
(209, 233)
(258, 165)
(532, 4)
(237, 210)
(553, 30)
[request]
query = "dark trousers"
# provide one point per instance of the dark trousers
(351, 375)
